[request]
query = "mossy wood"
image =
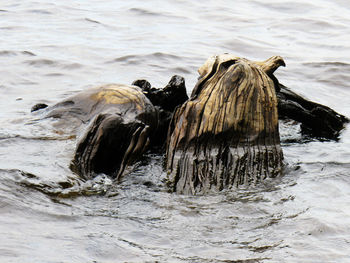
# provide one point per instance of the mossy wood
(226, 134)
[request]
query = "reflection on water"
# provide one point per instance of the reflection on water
(50, 51)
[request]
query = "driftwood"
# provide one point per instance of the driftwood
(116, 120)
(119, 132)
(317, 121)
(118, 123)
(165, 101)
(227, 133)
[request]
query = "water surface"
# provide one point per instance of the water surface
(52, 49)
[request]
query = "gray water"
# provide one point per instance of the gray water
(52, 49)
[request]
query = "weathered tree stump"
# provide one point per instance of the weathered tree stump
(226, 134)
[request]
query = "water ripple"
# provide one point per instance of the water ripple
(50, 50)
(10, 53)
(160, 57)
(145, 12)
(52, 63)
(93, 21)
(40, 11)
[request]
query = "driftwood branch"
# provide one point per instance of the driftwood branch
(316, 120)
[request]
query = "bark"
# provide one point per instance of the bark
(227, 133)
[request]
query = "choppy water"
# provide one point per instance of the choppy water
(52, 49)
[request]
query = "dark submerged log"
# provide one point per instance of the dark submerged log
(316, 120)
(227, 133)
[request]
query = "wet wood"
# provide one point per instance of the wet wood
(165, 100)
(115, 124)
(317, 120)
(227, 133)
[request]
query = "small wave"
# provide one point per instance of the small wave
(38, 138)
(125, 58)
(10, 53)
(144, 12)
(181, 70)
(333, 164)
(25, 52)
(92, 21)
(41, 62)
(99, 185)
(164, 55)
(133, 59)
(52, 63)
(40, 11)
(70, 187)
(261, 249)
(72, 66)
(54, 75)
(17, 171)
(7, 53)
(246, 47)
(204, 259)
(333, 73)
(288, 7)
(312, 24)
(10, 28)
(327, 64)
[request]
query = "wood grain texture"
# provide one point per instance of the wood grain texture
(227, 133)
(117, 122)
